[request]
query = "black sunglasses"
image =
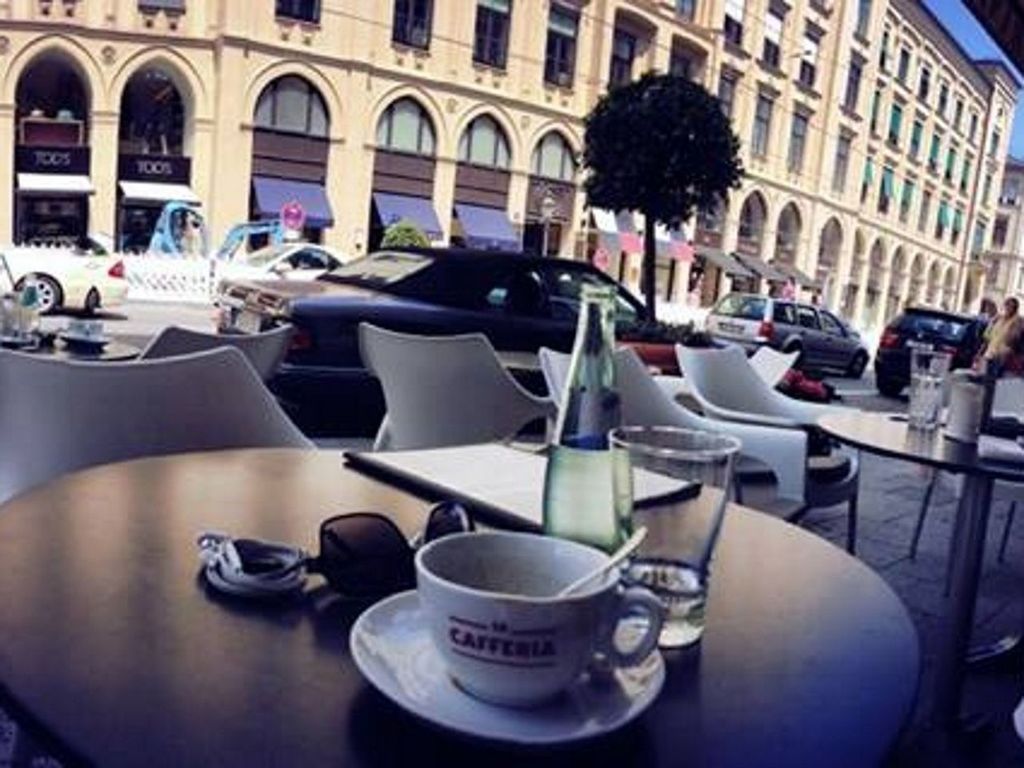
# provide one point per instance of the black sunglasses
(364, 554)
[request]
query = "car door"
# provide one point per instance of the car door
(816, 343)
(841, 347)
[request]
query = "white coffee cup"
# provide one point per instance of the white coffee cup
(490, 601)
(89, 329)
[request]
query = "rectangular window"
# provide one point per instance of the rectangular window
(895, 124)
(726, 93)
(965, 175)
(993, 147)
(974, 126)
(924, 84)
(950, 163)
(876, 107)
(560, 54)
(933, 153)
(490, 43)
(808, 61)
(762, 127)
(906, 200)
(412, 24)
(888, 189)
(943, 104)
(916, 134)
(680, 63)
(842, 164)
(797, 142)
(978, 244)
(922, 214)
(1011, 191)
(733, 27)
(299, 10)
(852, 94)
(869, 177)
(999, 232)
(903, 68)
(883, 52)
(686, 9)
(770, 54)
(958, 225)
(986, 189)
(623, 53)
(942, 220)
(863, 17)
(958, 113)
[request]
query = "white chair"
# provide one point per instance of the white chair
(445, 390)
(772, 365)
(57, 416)
(265, 350)
(727, 388)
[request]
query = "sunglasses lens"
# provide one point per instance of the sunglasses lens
(446, 518)
(365, 555)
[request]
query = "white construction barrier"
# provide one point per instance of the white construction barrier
(157, 278)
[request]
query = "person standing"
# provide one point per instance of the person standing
(1004, 336)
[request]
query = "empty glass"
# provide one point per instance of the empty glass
(928, 369)
(676, 483)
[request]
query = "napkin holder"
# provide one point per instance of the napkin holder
(966, 408)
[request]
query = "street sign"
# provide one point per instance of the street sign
(293, 216)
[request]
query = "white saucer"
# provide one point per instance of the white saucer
(392, 647)
(84, 341)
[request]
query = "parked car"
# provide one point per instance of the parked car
(86, 276)
(823, 339)
(520, 303)
(961, 335)
(287, 261)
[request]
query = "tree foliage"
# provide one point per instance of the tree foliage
(661, 146)
(404, 233)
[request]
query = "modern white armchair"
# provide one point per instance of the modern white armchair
(445, 390)
(58, 416)
(645, 403)
(264, 351)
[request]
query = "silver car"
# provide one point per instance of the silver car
(823, 340)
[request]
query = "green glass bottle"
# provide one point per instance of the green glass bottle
(578, 497)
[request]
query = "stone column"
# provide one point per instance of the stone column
(103, 171)
(444, 193)
(7, 179)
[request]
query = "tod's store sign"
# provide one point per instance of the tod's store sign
(159, 168)
(53, 160)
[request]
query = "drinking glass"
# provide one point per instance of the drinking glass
(676, 483)
(928, 369)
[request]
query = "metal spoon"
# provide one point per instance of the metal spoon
(627, 548)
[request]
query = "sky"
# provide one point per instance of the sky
(961, 23)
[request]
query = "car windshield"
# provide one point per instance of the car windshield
(379, 269)
(944, 327)
(265, 256)
(742, 307)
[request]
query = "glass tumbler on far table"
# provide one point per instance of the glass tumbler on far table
(928, 369)
(676, 483)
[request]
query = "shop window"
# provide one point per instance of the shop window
(299, 10)
(560, 54)
(405, 127)
(484, 143)
(152, 115)
(412, 23)
(554, 159)
(52, 105)
(291, 104)
(490, 45)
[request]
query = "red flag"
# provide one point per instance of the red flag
(631, 242)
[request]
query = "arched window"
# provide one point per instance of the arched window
(405, 127)
(292, 105)
(152, 114)
(553, 158)
(484, 143)
(752, 216)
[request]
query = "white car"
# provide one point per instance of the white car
(288, 261)
(86, 277)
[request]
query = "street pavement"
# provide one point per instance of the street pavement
(890, 496)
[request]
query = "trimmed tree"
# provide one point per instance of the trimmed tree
(403, 233)
(660, 146)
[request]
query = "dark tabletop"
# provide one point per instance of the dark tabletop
(113, 350)
(890, 435)
(113, 644)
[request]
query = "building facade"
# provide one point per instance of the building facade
(1004, 261)
(873, 145)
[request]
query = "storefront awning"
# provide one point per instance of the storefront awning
(629, 239)
(487, 228)
(798, 276)
(723, 261)
(153, 192)
(272, 194)
(672, 243)
(393, 208)
(54, 183)
(762, 268)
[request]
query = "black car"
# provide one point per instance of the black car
(520, 303)
(961, 335)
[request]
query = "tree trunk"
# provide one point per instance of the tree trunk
(647, 273)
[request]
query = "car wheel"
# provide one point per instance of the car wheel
(92, 301)
(48, 292)
(857, 365)
(889, 387)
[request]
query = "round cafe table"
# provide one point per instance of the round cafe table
(114, 650)
(890, 436)
(111, 352)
